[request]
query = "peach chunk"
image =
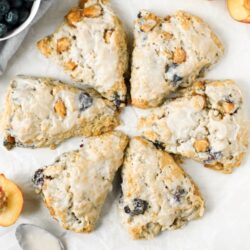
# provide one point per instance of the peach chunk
(11, 202)
(239, 10)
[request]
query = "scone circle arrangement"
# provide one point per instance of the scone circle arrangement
(189, 117)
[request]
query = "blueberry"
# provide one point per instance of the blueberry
(213, 156)
(28, 3)
(139, 15)
(170, 74)
(140, 206)
(117, 100)
(3, 29)
(179, 193)
(127, 210)
(38, 178)
(16, 3)
(4, 7)
(229, 99)
(176, 78)
(159, 145)
(216, 155)
(12, 17)
(23, 15)
(85, 101)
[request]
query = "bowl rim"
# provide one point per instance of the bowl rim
(23, 26)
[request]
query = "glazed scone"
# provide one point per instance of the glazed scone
(91, 47)
(41, 112)
(75, 187)
(169, 52)
(156, 193)
(207, 124)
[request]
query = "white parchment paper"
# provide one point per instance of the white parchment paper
(226, 224)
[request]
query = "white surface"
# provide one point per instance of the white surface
(20, 28)
(226, 224)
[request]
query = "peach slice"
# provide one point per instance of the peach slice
(239, 10)
(11, 202)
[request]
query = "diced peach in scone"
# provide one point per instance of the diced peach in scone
(11, 202)
(239, 10)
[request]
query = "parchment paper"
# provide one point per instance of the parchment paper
(226, 224)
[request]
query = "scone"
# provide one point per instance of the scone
(169, 52)
(41, 112)
(207, 124)
(91, 47)
(75, 187)
(156, 193)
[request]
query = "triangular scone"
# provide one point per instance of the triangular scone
(168, 53)
(41, 112)
(156, 193)
(207, 124)
(91, 47)
(75, 187)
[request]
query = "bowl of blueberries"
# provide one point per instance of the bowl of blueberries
(16, 15)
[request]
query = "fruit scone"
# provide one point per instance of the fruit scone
(169, 52)
(156, 193)
(207, 124)
(91, 46)
(41, 112)
(75, 187)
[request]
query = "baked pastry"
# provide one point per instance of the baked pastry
(156, 193)
(91, 47)
(41, 112)
(75, 187)
(207, 124)
(168, 53)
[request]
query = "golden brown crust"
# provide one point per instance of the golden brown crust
(44, 46)
(140, 103)
(92, 11)
(60, 109)
(169, 55)
(64, 48)
(74, 16)
(167, 197)
(63, 44)
(67, 184)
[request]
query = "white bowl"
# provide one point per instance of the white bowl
(24, 25)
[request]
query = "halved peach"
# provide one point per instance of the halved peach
(11, 202)
(239, 10)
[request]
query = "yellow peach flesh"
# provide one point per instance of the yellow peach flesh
(239, 10)
(10, 213)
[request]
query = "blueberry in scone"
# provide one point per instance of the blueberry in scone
(91, 46)
(75, 187)
(205, 123)
(42, 112)
(156, 193)
(169, 53)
